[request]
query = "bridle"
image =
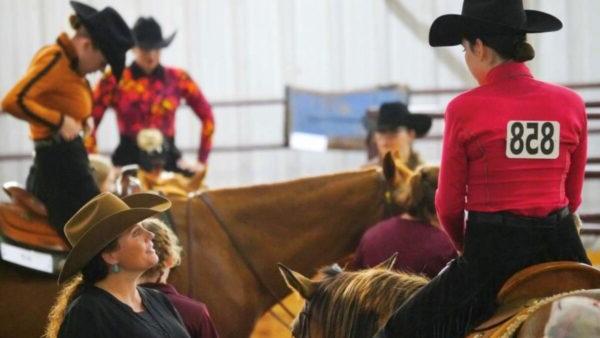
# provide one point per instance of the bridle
(390, 208)
(302, 329)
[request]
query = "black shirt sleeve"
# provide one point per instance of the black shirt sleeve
(80, 321)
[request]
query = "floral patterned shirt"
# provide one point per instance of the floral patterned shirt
(150, 100)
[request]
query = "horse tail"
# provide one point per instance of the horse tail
(64, 298)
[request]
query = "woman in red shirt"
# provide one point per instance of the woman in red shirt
(514, 157)
(148, 96)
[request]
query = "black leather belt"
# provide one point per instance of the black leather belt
(47, 142)
(509, 219)
(53, 140)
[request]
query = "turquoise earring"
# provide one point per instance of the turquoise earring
(115, 268)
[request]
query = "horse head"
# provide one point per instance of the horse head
(397, 176)
(342, 304)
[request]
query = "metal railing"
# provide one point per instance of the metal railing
(437, 114)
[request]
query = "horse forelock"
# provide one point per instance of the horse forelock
(356, 304)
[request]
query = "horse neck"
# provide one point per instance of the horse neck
(304, 224)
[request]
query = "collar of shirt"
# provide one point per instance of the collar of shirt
(167, 289)
(67, 46)
(137, 72)
(507, 70)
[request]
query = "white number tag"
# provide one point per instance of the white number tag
(32, 259)
(533, 139)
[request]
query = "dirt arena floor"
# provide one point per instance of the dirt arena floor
(269, 327)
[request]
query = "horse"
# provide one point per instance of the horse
(356, 304)
(232, 240)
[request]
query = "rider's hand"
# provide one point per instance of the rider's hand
(89, 125)
(195, 167)
(70, 128)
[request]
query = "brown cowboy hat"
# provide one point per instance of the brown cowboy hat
(102, 220)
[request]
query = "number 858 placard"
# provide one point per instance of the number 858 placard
(533, 139)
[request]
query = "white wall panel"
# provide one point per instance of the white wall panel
(243, 49)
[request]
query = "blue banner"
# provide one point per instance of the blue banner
(337, 115)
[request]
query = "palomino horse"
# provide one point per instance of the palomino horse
(356, 304)
(232, 240)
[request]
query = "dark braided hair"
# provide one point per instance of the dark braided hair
(95, 270)
(509, 47)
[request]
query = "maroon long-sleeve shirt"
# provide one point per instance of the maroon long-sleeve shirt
(194, 314)
(512, 144)
(421, 247)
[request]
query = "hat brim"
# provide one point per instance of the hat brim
(117, 64)
(143, 205)
(156, 44)
(83, 10)
(420, 123)
(116, 60)
(449, 29)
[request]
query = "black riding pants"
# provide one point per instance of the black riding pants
(61, 178)
(463, 295)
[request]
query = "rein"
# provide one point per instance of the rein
(389, 207)
(209, 204)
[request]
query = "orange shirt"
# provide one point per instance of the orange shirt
(50, 89)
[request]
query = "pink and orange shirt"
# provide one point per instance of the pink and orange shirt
(513, 144)
(150, 101)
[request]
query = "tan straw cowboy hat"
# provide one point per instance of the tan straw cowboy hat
(102, 220)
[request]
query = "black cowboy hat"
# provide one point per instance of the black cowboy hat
(148, 34)
(393, 115)
(108, 31)
(490, 17)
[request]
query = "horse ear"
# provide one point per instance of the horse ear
(296, 281)
(395, 172)
(403, 171)
(389, 167)
(388, 264)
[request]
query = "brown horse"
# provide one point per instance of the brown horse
(232, 240)
(357, 304)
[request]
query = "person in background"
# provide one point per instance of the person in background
(395, 132)
(54, 97)
(148, 96)
(111, 251)
(103, 172)
(513, 157)
(195, 314)
(422, 246)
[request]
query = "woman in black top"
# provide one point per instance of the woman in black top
(111, 250)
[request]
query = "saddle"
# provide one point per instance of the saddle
(529, 286)
(171, 184)
(24, 220)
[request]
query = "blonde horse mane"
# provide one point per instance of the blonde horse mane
(352, 304)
